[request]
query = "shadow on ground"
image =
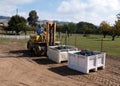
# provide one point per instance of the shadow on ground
(26, 53)
(65, 71)
(22, 53)
(44, 61)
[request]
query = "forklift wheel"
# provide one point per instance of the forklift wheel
(39, 50)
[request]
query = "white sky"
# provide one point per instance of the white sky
(93, 11)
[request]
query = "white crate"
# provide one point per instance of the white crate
(58, 55)
(85, 63)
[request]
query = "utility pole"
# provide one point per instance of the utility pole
(101, 45)
(17, 11)
(66, 37)
(75, 40)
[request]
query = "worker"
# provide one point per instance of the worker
(39, 30)
(40, 33)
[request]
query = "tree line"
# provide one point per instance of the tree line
(79, 28)
(88, 28)
(18, 23)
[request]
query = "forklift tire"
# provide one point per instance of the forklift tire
(39, 50)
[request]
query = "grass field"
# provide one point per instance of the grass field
(93, 42)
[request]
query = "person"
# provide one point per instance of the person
(39, 30)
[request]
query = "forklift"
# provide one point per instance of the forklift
(39, 43)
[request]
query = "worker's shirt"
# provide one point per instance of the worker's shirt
(39, 31)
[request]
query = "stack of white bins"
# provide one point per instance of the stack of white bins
(84, 63)
(59, 53)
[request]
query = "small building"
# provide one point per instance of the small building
(4, 22)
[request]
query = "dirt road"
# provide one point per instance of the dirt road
(18, 67)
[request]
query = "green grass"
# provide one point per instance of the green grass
(93, 42)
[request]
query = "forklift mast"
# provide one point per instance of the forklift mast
(50, 33)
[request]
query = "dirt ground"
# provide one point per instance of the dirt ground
(19, 67)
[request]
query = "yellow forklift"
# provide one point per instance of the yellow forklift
(39, 43)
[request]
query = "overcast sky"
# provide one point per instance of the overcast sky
(93, 11)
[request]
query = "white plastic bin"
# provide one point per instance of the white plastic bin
(84, 63)
(59, 55)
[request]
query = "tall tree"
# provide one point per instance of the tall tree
(15, 22)
(105, 28)
(115, 30)
(33, 18)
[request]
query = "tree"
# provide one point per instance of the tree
(115, 30)
(33, 18)
(117, 25)
(105, 28)
(15, 22)
(71, 28)
(59, 30)
(86, 30)
(85, 27)
(23, 27)
(118, 16)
